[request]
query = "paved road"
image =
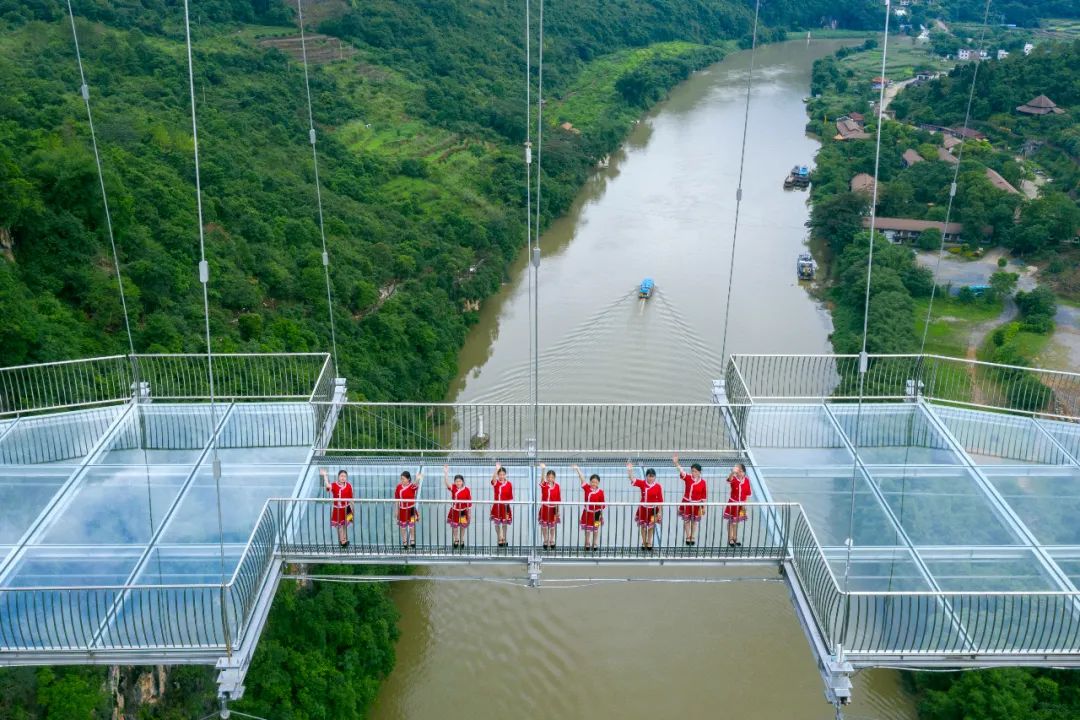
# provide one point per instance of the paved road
(961, 272)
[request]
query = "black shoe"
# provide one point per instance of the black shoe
(738, 544)
(412, 545)
(730, 544)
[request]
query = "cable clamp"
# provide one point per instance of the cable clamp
(738, 195)
(325, 259)
(864, 362)
(952, 189)
(204, 272)
(528, 153)
(311, 135)
(85, 92)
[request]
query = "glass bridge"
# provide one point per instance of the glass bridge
(930, 523)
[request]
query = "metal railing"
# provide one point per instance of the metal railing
(249, 376)
(74, 384)
(65, 385)
(969, 383)
(492, 429)
(304, 531)
(165, 618)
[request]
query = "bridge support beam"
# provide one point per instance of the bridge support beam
(834, 669)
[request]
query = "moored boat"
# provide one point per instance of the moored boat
(806, 266)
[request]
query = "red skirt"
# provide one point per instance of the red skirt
(407, 516)
(735, 512)
(338, 517)
(648, 517)
(591, 520)
(691, 511)
(549, 516)
(502, 514)
(457, 518)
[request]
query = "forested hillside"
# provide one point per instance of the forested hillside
(420, 109)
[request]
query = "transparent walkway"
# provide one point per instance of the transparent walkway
(926, 526)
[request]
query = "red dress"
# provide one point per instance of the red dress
(502, 514)
(591, 517)
(407, 513)
(692, 507)
(342, 494)
(648, 513)
(740, 492)
(460, 509)
(549, 514)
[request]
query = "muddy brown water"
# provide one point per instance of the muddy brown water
(663, 208)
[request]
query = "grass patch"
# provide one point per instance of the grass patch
(951, 323)
(905, 56)
(592, 96)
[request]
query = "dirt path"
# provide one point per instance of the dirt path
(977, 337)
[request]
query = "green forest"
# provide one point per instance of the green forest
(420, 112)
(419, 107)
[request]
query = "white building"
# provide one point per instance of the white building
(1028, 47)
(984, 54)
(1002, 54)
(963, 54)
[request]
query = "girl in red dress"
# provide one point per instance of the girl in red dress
(692, 508)
(341, 510)
(592, 517)
(550, 497)
(408, 513)
(501, 513)
(735, 512)
(460, 509)
(648, 513)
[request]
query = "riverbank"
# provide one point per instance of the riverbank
(664, 207)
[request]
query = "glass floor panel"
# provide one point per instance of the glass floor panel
(826, 500)
(161, 434)
(1069, 562)
(1047, 500)
(894, 435)
(994, 438)
(794, 436)
(899, 574)
(244, 491)
(116, 505)
(187, 565)
(63, 437)
(25, 490)
(74, 567)
(941, 506)
(990, 574)
(1066, 433)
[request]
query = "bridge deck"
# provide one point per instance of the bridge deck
(914, 532)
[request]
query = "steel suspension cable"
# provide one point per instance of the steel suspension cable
(952, 186)
(84, 90)
(863, 359)
(528, 182)
(318, 187)
(204, 279)
(535, 259)
(739, 189)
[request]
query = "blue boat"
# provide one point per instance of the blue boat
(646, 288)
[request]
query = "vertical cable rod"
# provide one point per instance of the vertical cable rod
(204, 279)
(318, 186)
(84, 90)
(863, 360)
(738, 191)
(952, 187)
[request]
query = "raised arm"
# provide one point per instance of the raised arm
(675, 460)
(446, 477)
(325, 478)
(630, 470)
(495, 474)
(581, 475)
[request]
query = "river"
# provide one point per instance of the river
(663, 208)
